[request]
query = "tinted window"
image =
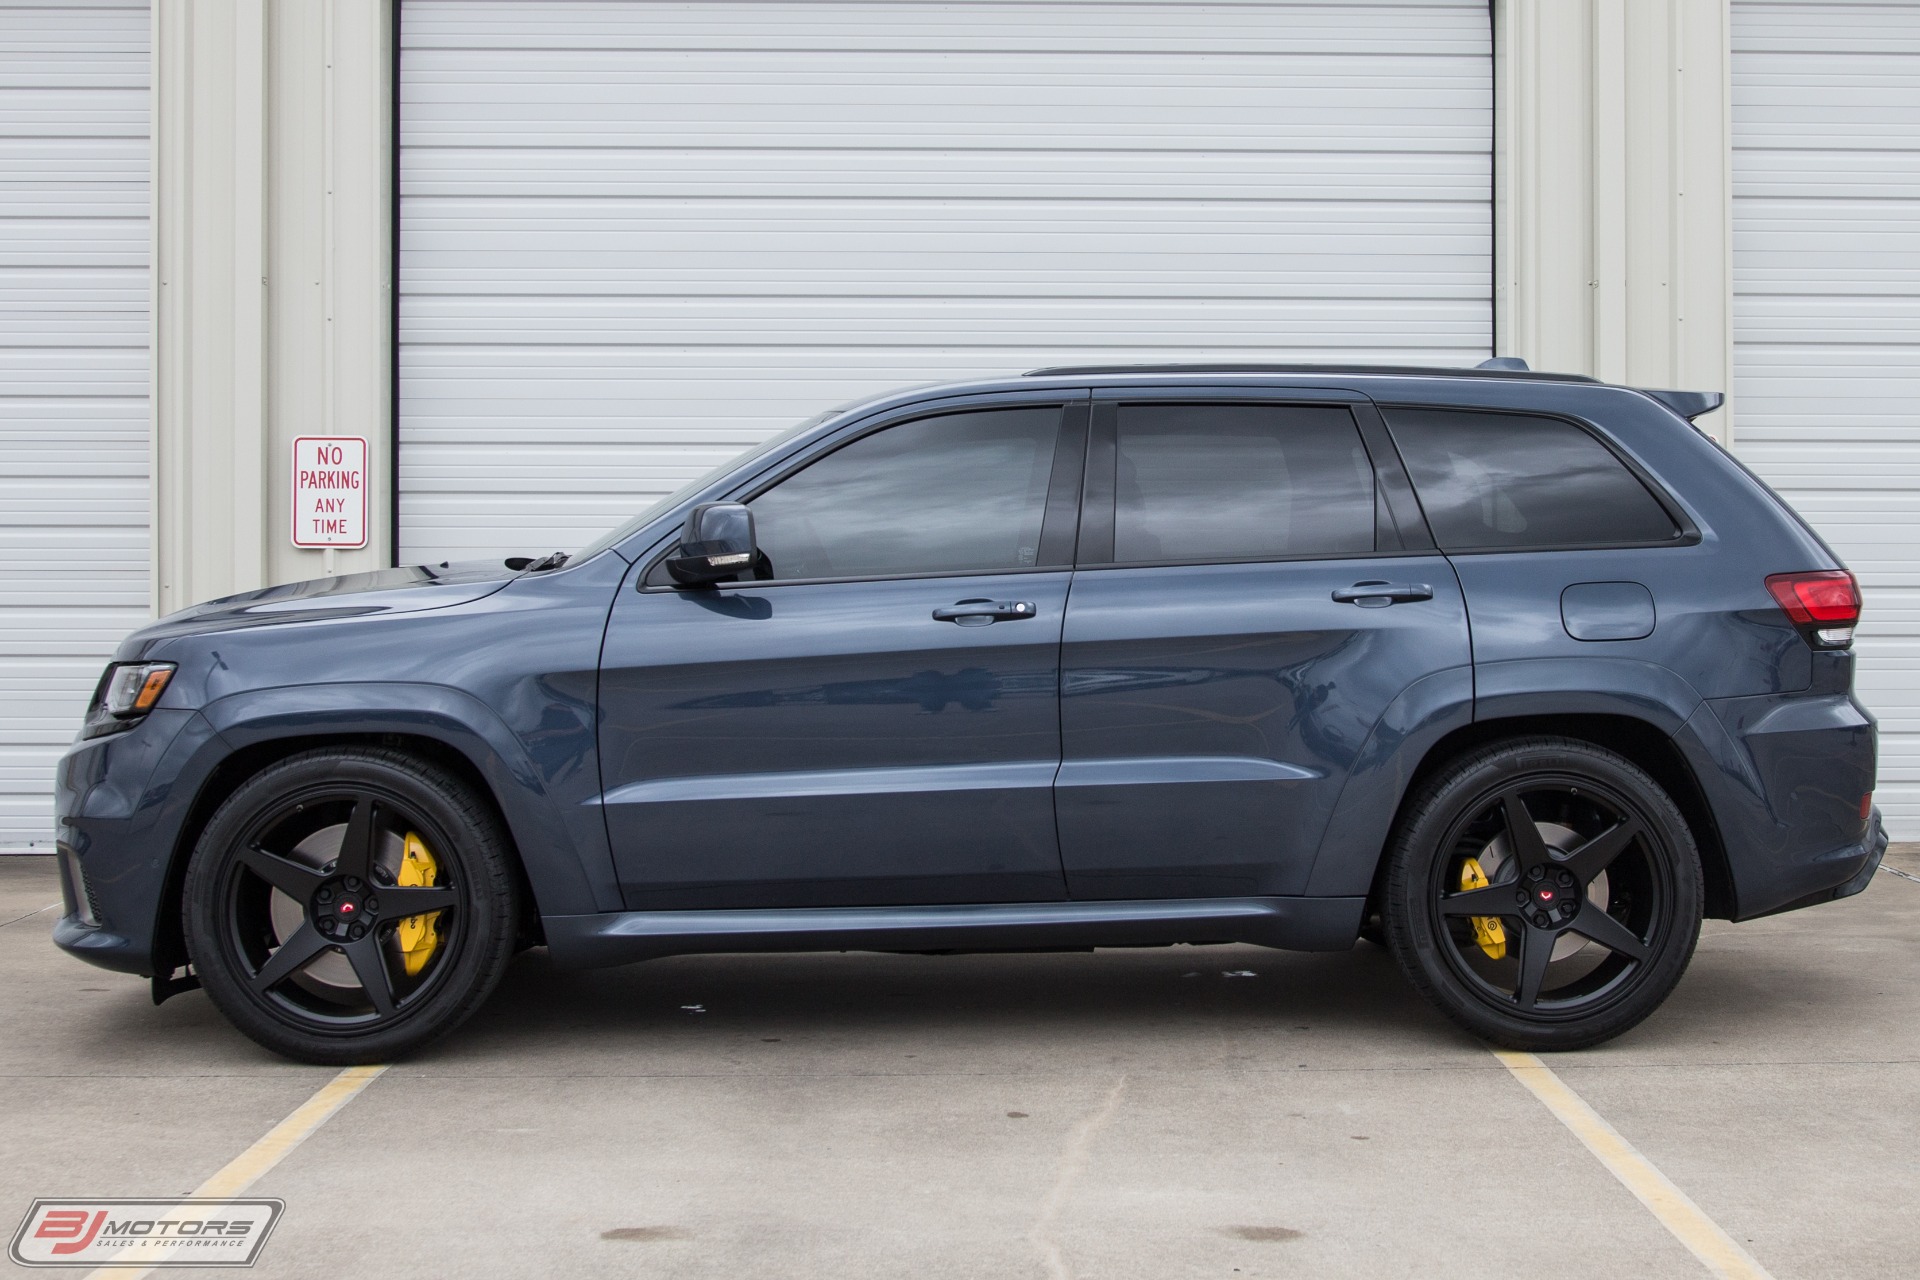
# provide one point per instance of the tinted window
(1239, 482)
(963, 491)
(1498, 480)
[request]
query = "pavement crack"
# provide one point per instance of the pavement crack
(50, 906)
(1073, 1161)
(1904, 875)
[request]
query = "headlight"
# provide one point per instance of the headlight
(127, 692)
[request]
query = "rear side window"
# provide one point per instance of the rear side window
(1239, 482)
(1505, 481)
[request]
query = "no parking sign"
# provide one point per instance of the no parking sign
(330, 491)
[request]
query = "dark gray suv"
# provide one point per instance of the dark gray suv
(1517, 674)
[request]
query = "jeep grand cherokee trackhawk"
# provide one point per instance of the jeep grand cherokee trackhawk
(1519, 674)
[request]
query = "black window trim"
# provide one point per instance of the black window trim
(1688, 535)
(1059, 528)
(1399, 529)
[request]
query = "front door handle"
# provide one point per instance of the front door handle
(1378, 595)
(978, 613)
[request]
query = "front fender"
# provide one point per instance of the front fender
(561, 839)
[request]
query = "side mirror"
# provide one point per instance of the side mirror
(716, 544)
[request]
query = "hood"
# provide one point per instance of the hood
(348, 595)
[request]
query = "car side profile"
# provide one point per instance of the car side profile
(1519, 675)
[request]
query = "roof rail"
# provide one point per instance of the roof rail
(1688, 404)
(1344, 370)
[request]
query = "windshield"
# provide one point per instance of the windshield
(687, 490)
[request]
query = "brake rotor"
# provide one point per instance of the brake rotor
(329, 974)
(1494, 858)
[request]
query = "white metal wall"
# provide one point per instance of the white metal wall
(73, 376)
(1826, 236)
(638, 237)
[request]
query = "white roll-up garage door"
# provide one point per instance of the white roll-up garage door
(638, 237)
(1826, 268)
(73, 377)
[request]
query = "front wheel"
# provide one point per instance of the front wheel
(1544, 893)
(348, 905)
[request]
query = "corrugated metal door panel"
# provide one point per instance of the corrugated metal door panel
(637, 238)
(1826, 244)
(73, 376)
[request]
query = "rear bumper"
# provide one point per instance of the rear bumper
(1783, 776)
(1864, 858)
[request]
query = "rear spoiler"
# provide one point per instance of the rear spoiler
(1688, 404)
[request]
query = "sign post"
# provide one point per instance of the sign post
(330, 491)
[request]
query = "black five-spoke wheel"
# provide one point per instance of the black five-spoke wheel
(349, 904)
(1544, 893)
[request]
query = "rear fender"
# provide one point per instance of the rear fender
(1425, 712)
(1583, 686)
(1446, 701)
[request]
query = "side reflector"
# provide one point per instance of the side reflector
(1866, 806)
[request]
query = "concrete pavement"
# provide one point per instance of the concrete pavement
(1120, 1114)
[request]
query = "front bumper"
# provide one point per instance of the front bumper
(120, 804)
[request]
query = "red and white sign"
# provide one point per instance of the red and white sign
(330, 491)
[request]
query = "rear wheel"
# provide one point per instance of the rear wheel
(1544, 893)
(349, 905)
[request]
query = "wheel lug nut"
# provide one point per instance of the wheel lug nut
(325, 895)
(1566, 878)
(1537, 873)
(326, 926)
(371, 904)
(1521, 898)
(355, 932)
(1540, 918)
(353, 882)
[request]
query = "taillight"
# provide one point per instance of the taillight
(1823, 603)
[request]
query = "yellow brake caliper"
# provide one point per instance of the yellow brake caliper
(1487, 930)
(420, 935)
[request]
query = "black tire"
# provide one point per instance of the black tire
(1608, 871)
(284, 918)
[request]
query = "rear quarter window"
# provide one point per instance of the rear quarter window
(1509, 481)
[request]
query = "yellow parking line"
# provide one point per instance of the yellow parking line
(252, 1164)
(1691, 1226)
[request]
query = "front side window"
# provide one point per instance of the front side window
(1508, 481)
(1239, 482)
(955, 493)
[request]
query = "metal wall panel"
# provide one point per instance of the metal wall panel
(1826, 243)
(639, 237)
(73, 377)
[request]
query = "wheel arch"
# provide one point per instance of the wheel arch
(233, 771)
(561, 858)
(1639, 741)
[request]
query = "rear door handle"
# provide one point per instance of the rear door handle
(1378, 595)
(978, 613)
